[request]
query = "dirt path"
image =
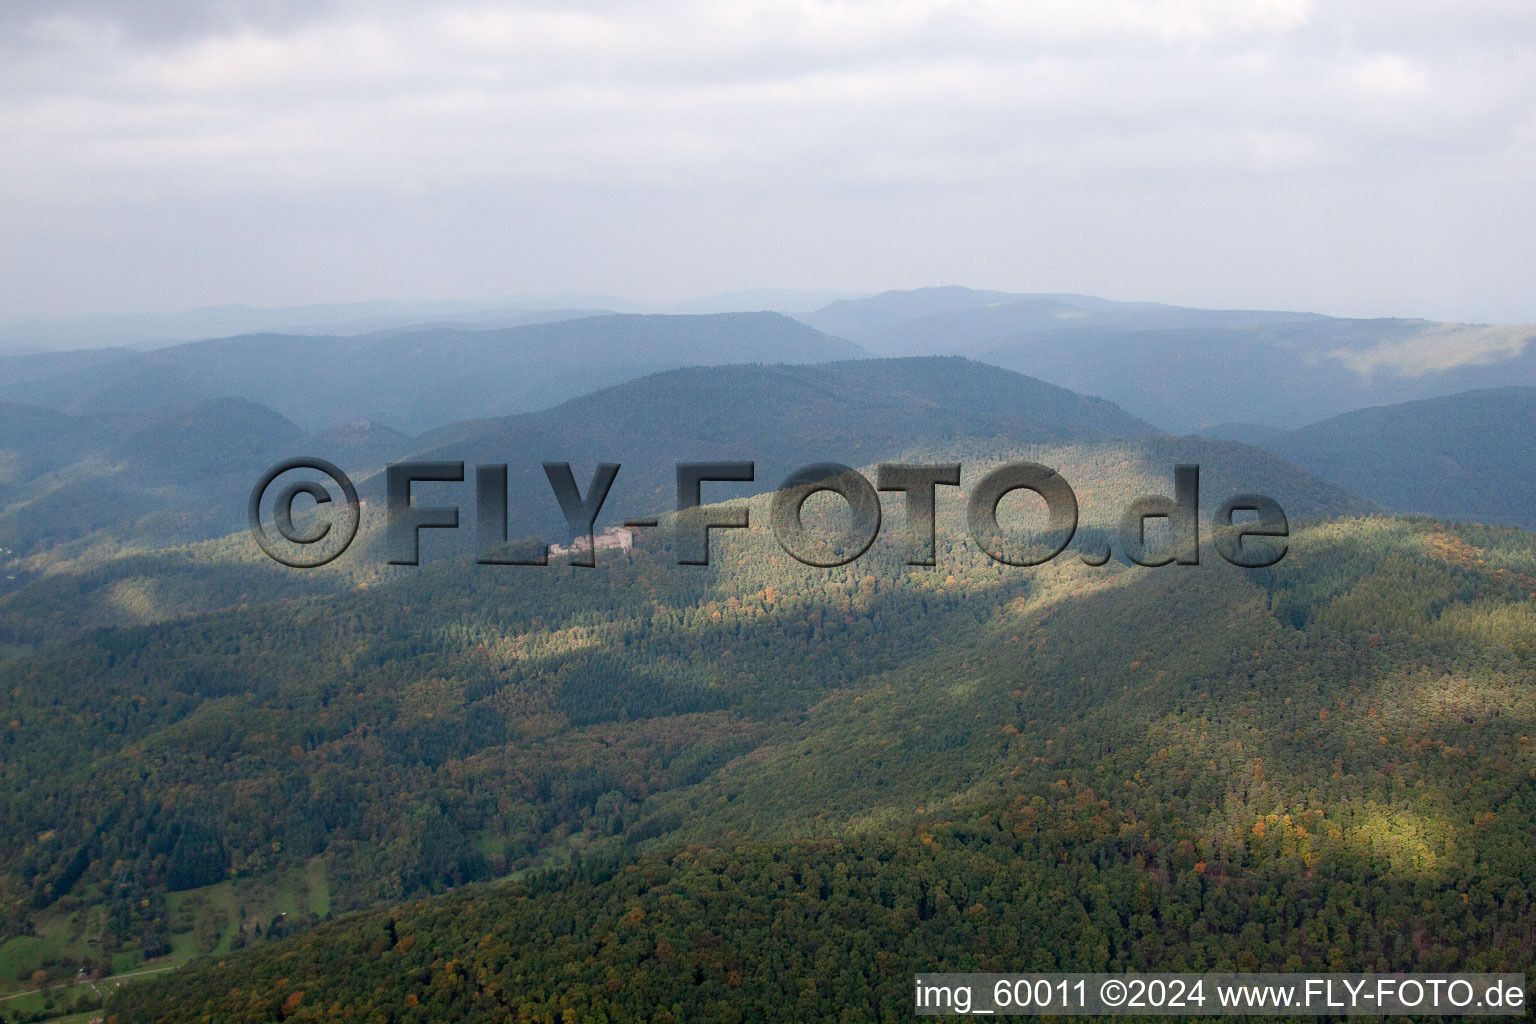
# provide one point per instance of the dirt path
(98, 981)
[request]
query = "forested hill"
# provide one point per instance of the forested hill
(781, 417)
(148, 480)
(193, 683)
(78, 533)
(784, 791)
(878, 403)
(858, 413)
(1464, 456)
(181, 474)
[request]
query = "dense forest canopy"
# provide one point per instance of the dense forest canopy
(759, 789)
(1310, 764)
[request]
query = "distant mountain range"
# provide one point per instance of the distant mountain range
(953, 318)
(99, 439)
(183, 474)
(156, 330)
(411, 380)
(861, 412)
(134, 474)
(1182, 369)
(1185, 369)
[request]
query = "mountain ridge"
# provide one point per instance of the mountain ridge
(416, 378)
(1185, 368)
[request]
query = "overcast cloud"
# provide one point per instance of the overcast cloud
(1350, 157)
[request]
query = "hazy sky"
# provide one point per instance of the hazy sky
(1372, 157)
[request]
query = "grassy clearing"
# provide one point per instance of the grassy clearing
(319, 888)
(59, 1004)
(211, 921)
(56, 937)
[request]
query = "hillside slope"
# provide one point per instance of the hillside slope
(857, 413)
(1312, 767)
(152, 479)
(1464, 456)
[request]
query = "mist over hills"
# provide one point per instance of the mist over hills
(362, 398)
(155, 330)
(507, 632)
(958, 319)
(197, 461)
(410, 380)
(181, 474)
(1180, 368)
(783, 415)
(151, 330)
(1185, 369)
